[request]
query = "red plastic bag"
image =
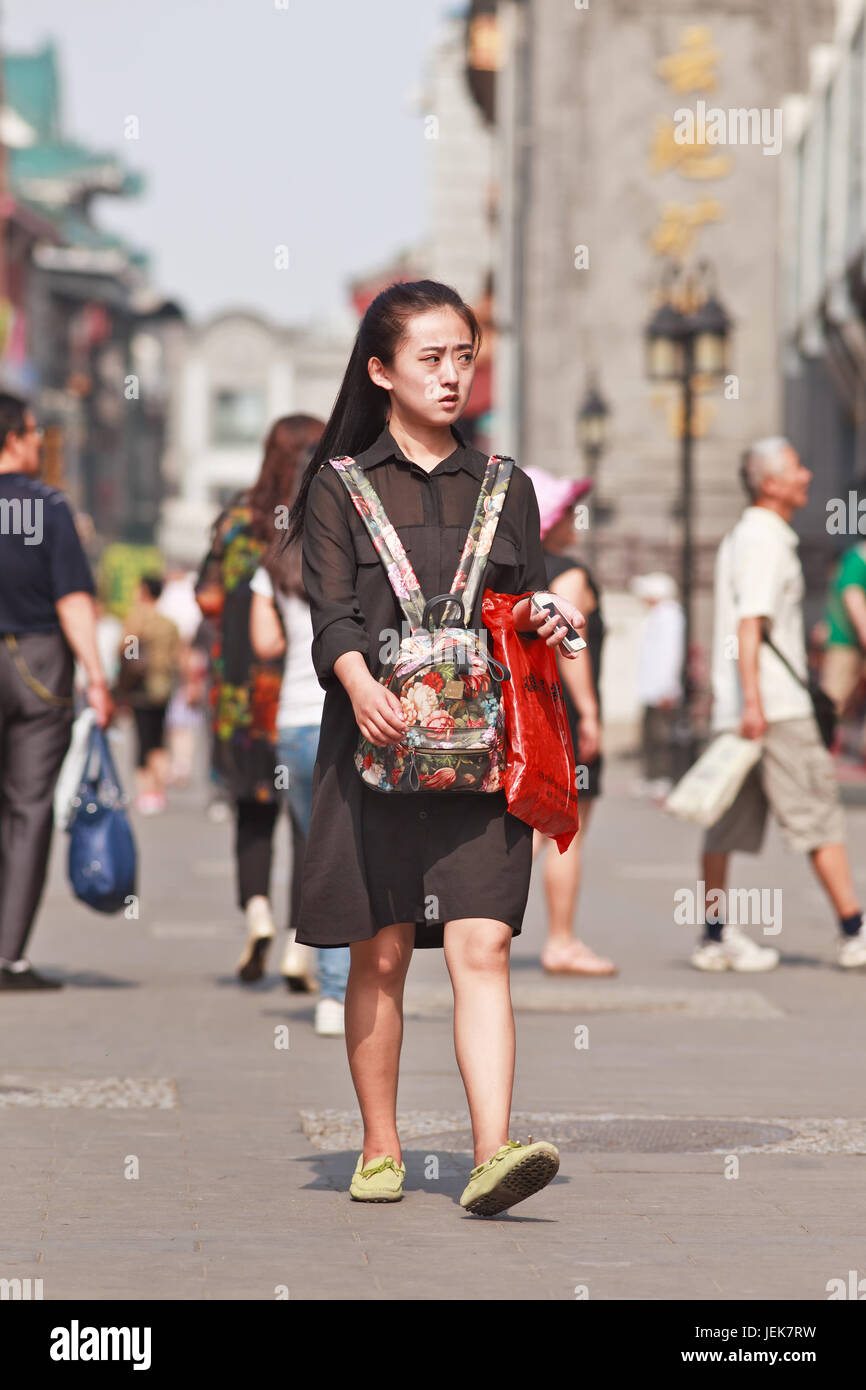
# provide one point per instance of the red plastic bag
(540, 782)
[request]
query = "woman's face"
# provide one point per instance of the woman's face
(431, 376)
(563, 532)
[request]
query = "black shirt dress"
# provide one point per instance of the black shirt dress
(374, 858)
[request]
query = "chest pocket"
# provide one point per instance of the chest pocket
(501, 571)
(366, 552)
(503, 553)
(504, 561)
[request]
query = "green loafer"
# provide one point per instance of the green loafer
(514, 1173)
(380, 1181)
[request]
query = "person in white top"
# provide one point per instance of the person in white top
(659, 675)
(184, 716)
(759, 591)
(280, 622)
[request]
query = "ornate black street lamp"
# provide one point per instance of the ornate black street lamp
(686, 337)
(592, 437)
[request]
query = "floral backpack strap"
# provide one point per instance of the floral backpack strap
(389, 547)
(491, 497)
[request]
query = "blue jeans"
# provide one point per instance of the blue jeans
(296, 752)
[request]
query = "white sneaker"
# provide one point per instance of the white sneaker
(660, 788)
(297, 968)
(260, 922)
(852, 951)
(260, 934)
(329, 1019)
(735, 951)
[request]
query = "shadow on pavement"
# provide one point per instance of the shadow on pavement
(90, 979)
(334, 1174)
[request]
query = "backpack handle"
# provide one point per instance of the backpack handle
(498, 670)
(444, 598)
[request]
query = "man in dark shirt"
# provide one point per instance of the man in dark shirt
(46, 619)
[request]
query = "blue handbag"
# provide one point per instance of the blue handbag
(102, 854)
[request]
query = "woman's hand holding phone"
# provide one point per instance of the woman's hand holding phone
(553, 628)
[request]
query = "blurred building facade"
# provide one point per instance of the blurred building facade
(84, 335)
(595, 197)
(824, 287)
(460, 145)
(461, 148)
(234, 375)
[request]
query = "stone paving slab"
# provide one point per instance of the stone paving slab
(236, 1196)
(579, 997)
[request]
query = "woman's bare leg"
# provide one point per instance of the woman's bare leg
(562, 884)
(374, 1031)
(477, 953)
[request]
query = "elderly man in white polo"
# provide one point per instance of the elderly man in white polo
(759, 589)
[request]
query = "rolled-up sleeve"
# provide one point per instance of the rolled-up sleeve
(759, 569)
(329, 573)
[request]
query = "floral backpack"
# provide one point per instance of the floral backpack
(447, 683)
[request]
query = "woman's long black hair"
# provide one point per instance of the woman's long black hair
(361, 408)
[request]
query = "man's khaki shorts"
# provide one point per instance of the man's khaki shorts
(796, 780)
(841, 673)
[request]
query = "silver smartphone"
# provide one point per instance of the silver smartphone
(544, 602)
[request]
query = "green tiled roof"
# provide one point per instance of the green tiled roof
(72, 163)
(31, 87)
(53, 176)
(75, 229)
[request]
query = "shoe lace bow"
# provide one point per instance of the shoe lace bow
(500, 1153)
(373, 1168)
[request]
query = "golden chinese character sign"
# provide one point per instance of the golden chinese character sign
(692, 68)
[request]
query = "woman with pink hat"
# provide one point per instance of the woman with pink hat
(563, 953)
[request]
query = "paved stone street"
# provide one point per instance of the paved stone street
(154, 1058)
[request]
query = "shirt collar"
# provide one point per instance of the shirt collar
(386, 447)
(766, 517)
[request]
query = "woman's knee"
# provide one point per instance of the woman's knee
(483, 946)
(386, 956)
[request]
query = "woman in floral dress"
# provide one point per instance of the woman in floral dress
(244, 690)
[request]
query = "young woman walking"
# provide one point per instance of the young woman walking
(245, 690)
(280, 625)
(387, 872)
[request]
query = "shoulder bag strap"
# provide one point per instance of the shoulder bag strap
(488, 507)
(784, 660)
(765, 636)
(389, 547)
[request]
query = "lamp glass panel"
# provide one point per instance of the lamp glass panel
(592, 431)
(710, 353)
(664, 359)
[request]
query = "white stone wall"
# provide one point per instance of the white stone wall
(459, 148)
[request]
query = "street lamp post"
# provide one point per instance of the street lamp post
(687, 337)
(591, 433)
